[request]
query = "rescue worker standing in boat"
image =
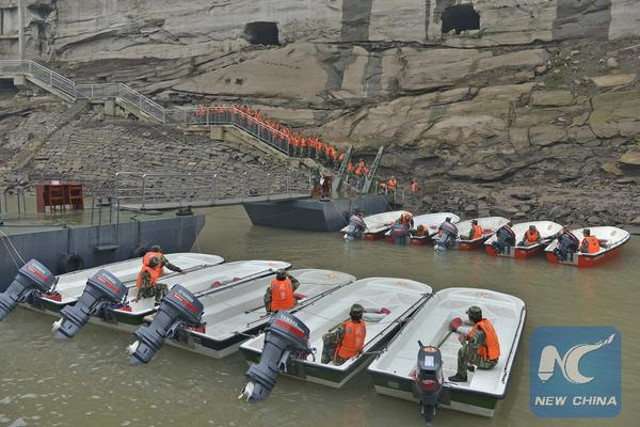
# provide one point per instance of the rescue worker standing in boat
(347, 340)
(147, 282)
(280, 293)
(156, 251)
(531, 237)
(480, 347)
(476, 230)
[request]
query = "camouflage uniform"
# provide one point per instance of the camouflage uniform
(468, 354)
(159, 290)
(330, 342)
(267, 294)
(165, 263)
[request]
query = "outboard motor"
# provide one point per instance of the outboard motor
(102, 290)
(355, 228)
(32, 280)
(178, 310)
(428, 380)
(285, 336)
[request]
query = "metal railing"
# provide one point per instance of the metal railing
(217, 115)
(186, 189)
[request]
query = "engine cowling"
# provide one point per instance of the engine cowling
(285, 334)
(33, 279)
(179, 310)
(428, 380)
(102, 290)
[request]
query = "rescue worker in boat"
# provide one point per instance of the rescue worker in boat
(347, 340)
(405, 219)
(531, 237)
(590, 244)
(447, 233)
(476, 230)
(147, 282)
(505, 237)
(420, 231)
(356, 226)
(279, 294)
(567, 244)
(156, 251)
(480, 347)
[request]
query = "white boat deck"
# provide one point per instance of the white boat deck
(241, 308)
(612, 236)
(71, 285)
(379, 222)
(545, 228)
(489, 225)
(431, 326)
(397, 295)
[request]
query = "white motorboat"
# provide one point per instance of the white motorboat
(611, 239)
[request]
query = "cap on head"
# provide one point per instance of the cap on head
(356, 312)
(156, 248)
(420, 227)
(586, 232)
(474, 221)
(154, 261)
(532, 227)
(281, 274)
(475, 313)
(448, 219)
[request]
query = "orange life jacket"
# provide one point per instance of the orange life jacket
(148, 256)
(304, 143)
(282, 294)
(353, 340)
(414, 187)
(532, 237)
(349, 166)
(477, 232)
(490, 350)
(592, 243)
(392, 184)
(154, 276)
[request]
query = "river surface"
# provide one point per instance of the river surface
(88, 381)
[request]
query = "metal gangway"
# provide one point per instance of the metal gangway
(145, 108)
(160, 191)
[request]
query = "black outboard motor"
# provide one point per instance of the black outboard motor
(355, 229)
(178, 310)
(285, 336)
(102, 290)
(428, 380)
(32, 280)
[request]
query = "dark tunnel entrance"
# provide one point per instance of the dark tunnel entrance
(460, 17)
(264, 33)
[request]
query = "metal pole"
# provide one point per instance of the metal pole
(20, 31)
(144, 179)
(244, 185)
(215, 187)
(268, 185)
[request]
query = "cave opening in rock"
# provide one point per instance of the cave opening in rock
(264, 33)
(460, 17)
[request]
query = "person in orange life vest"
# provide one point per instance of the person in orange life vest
(421, 231)
(480, 347)
(304, 146)
(320, 150)
(279, 294)
(414, 188)
(156, 251)
(531, 237)
(347, 340)
(590, 244)
(406, 219)
(312, 147)
(147, 283)
(392, 184)
(476, 230)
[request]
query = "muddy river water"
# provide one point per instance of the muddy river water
(88, 381)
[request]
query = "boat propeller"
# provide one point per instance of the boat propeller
(32, 280)
(428, 379)
(102, 290)
(178, 310)
(285, 336)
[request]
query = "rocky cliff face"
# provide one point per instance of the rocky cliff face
(480, 95)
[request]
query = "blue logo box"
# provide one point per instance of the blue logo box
(575, 372)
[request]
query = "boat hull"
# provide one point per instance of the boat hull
(374, 236)
(583, 260)
(472, 403)
(469, 245)
(420, 241)
(513, 252)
